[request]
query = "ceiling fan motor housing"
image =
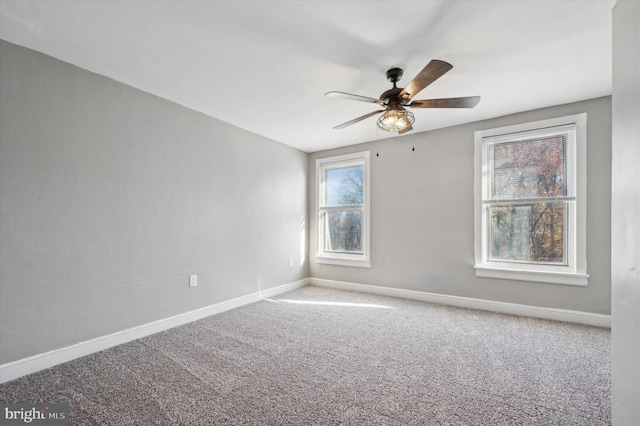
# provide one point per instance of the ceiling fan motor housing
(390, 97)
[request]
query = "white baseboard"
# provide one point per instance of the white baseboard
(598, 320)
(22, 367)
(271, 292)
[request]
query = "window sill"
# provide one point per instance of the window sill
(536, 276)
(360, 263)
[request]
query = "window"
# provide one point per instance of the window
(530, 201)
(343, 210)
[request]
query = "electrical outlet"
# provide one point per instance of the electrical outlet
(290, 263)
(193, 280)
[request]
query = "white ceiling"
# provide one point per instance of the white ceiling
(266, 65)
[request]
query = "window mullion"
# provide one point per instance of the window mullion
(529, 200)
(342, 208)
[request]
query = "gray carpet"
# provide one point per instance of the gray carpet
(318, 356)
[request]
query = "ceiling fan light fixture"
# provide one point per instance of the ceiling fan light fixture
(395, 120)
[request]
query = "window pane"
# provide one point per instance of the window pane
(344, 229)
(530, 233)
(532, 168)
(344, 186)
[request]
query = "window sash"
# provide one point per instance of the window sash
(567, 221)
(330, 166)
(326, 231)
(489, 143)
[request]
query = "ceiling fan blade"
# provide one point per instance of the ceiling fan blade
(468, 102)
(352, 97)
(355, 120)
(433, 71)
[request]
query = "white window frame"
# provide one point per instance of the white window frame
(574, 272)
(342, 259)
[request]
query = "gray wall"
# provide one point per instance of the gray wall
(422, 215)
(625, 206)
(111, 197)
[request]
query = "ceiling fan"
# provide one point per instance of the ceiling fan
(394, 101)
